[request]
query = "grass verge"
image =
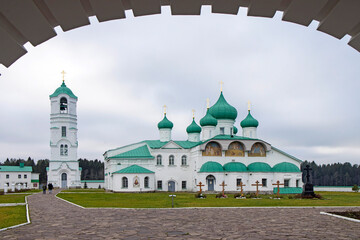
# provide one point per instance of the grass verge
(13, 198)
(162, 200)
(10, 216)
(84, 190)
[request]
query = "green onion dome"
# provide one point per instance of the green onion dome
(235, 130)
(222, 109)
(193, 127)
(63, 89)
(211, 167)
(249, 121)
(208, 120)
(285, 167)
(165, 123)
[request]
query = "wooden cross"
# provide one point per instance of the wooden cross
(257, 184)
(278, 187)
(200, 185)
(221, 85)
(164, 109)
(63, 75)
(241, 188)
(223, 187)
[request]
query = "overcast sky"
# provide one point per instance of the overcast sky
(303, 84)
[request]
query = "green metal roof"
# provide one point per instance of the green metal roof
(211, 167)
(235, 167)
(193, 127)
(208, 120)
(15, 169)
(165, 123)
(259, 167)
(231, 137)
(222, 109)
(249, 121)
(285, 167)
(289, 190)
(235, 130)
(34, 180)
(134, 169)
(63, 90)
(140, 152)
(156, 144)
(93, 181)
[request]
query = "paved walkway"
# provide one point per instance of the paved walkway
(55, 219)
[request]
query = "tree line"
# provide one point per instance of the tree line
(334, 174)
(91, 169)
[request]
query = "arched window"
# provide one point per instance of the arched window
(61, 150)
(257, 150)
(212, 149)
(183, 160)
(124, 182)
(235, 149)
(65, 150)
(63, 105)
(158, 160)
(146, 182)
(171, 160)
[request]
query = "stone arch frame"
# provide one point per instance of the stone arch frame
(251, 154)
(336, 18)
(207, 151)
(229, 153)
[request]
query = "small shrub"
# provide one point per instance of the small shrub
(220, 195)
(236, 195)
(355, 188)
(250, 195)
(1, 192)
(290, 197)
(200, 195)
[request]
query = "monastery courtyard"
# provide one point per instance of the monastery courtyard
(52, 218)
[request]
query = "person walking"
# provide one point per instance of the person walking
(44, 189)
(50, 186)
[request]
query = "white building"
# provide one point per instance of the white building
(218, 156)
(18, 177)
(63, 171)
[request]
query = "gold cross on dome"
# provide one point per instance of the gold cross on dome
(249, 105)
(164, 109)
(63, 75)
(207, 103)
(221, 85)
(193, 111)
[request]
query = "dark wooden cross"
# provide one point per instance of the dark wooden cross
(223, 187)
(307, 169)
(278, 187)
(257, 184)
(241, 185)
(200, 185)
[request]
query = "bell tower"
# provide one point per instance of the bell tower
(63, 171)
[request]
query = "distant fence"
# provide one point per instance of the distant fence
(333, 188)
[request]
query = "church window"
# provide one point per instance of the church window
(212, 149)
(183, 184)
(63, 105)
(171, 160)
(297, 182)
(19, 176)
(65, 150)
(257, 150)
(159, 185)
(231, 131)
(222, 131)
(238, 181)
(63, 131)
(124, 182)
(158, 160)
(264, 182)
(25, 176)
(286, 182)
(7, 176)
(146, 182)
(61, 150)
(235, 149)
(183, 160)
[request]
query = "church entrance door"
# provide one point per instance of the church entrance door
(64, 180)
(210, 182)
(171, 186)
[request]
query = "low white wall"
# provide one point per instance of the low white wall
(333, 189)
(92, 184)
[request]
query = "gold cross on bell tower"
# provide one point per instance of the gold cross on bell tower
(207, 103)
(249, 105)
(193, 112)
(164, 109)
(63, 75)
(221, 85)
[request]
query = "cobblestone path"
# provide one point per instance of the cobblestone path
(55, 219)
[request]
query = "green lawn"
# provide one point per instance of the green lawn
(84, 190)
(162, 200)
(13, 198)
(10, 216)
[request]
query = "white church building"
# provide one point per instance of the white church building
(63, 170)
(212, 154)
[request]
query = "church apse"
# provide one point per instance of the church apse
(212, 149)
(236, 149)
